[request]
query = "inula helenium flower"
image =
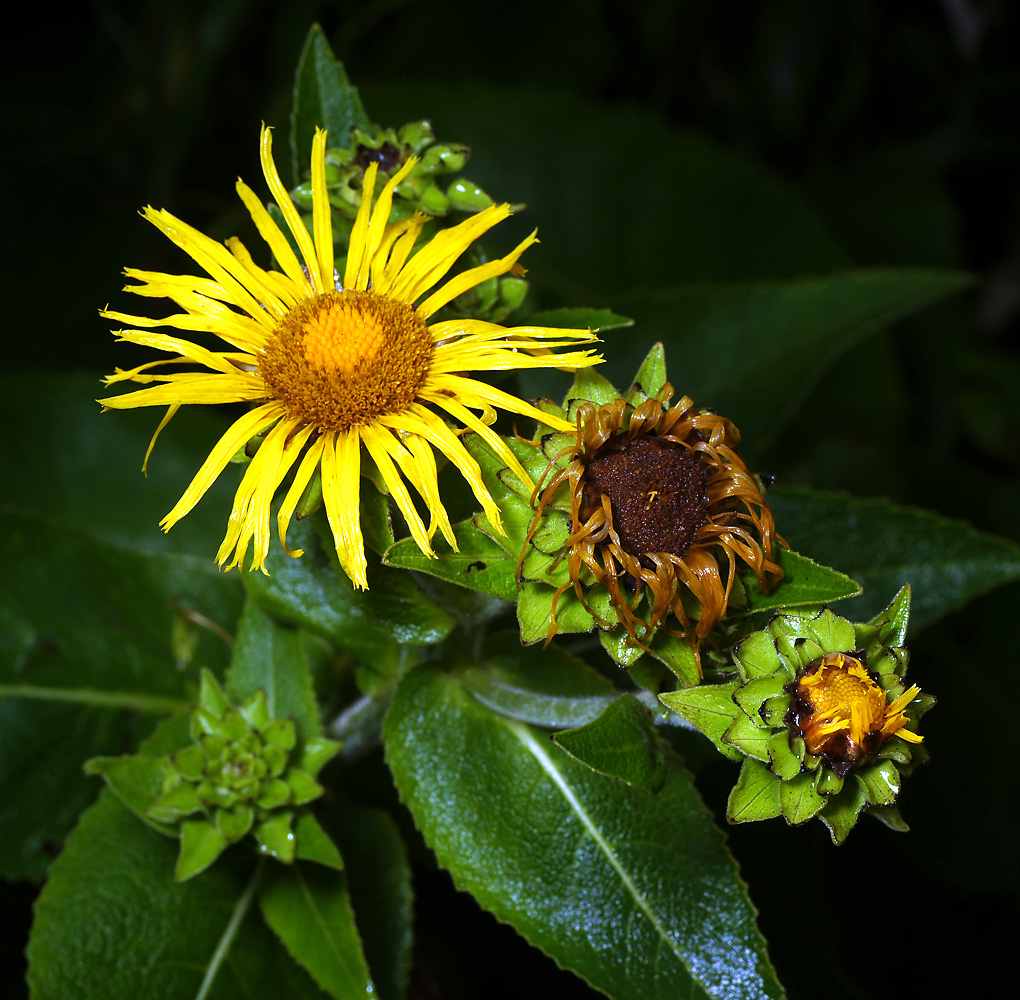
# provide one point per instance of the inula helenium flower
(335, 363)
(819, 714)
(661, 506)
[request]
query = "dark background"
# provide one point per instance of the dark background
(896, 123)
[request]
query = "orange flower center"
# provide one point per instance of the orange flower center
(843, 713)
(344, 358)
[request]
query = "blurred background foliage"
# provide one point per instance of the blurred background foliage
(666, 150)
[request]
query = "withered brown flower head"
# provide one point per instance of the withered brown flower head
(661, 505)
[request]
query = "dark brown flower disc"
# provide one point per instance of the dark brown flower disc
(656, 490)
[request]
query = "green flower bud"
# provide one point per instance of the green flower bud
(245, 773)
(466, 196)
(820, 716)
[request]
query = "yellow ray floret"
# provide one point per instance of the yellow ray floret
(335, 365)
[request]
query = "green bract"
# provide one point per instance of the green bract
(429, 188)
(244, 772)
(749, 718)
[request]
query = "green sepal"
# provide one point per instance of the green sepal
(211, 697)
(303, 787)
(591, 386)
(881, 782)
(315, 754)
(281, 733)
(890, 816)
(177, 802)
(710, 708)
(233, 728)
(752, 695)
(276, 793)
(620, 647)
(201, 844)
(755, 796)
(783, 760)
(189, 761)
(799, 800)
(889, 626)
(235, 823)
(827, 782)
(756, 656)
(535, 608)
(541, 567)
(773, 710)
(276, 759)
(650, 376)
(841, 811)
(620, 743)
(138, 782)
(312, 843)
(311, 497)
(202, 723)
(748, 736)
(255, 710)
(678, 655)
(275, 837)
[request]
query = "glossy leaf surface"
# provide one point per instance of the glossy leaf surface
(112, 922)
(883, 546)
(634, 892)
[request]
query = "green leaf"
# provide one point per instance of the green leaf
(542, 686)
(137, 780)
(201, 844)
(314, 592)
(80, 468)
(650, 377)
(620, 743)
(841, 811)
(798, 799)
(535, 609)
(883, 546)
(577, 319)
(314, 844)
(755, 796)
(87, 648)
(309, 909)
(678, 655)
(481, 564)
(379, 879)
(634, 892)
(323, 97)
(710, 708)
(270, 657)
(111, 891)
(772, 342)
(697, 213)
(804, 582)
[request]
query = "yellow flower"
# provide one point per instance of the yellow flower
(335, 365)
(844, 714)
